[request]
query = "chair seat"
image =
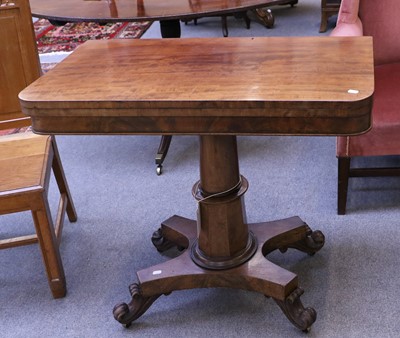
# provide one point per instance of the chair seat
(23, 162)
(27, 160)
(384, 136)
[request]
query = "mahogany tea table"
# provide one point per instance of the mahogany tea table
(215, 88)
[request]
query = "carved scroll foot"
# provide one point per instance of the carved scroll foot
(311, 243)
(174, 232)
(127, 313)
(292, 307)
(161, 243)
(265, 16)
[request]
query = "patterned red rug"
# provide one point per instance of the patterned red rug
(14, 131)
(66, 38)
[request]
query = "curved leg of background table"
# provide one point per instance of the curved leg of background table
(162, 152)
(169, 29)
(220, 248)
(265, 15)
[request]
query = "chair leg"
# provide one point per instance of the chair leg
(246, 20)
(62, 182)
(49, 247)
(343, 183)
(324, 22)
(224, 24)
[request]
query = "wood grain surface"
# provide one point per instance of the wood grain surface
(289, 85)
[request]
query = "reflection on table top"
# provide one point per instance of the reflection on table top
(130, 10)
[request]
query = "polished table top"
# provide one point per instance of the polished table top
(128, 10)
(290, 85)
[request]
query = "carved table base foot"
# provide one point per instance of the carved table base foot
(257, 274)
(265, 16)
(293, 309)
(127, 313)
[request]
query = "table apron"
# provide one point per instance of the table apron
(200, 125)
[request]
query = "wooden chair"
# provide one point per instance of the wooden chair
(26, 159)
(328, 9)
(379, 19)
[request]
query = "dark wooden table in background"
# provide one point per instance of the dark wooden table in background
(169, 14)
(217, 89)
